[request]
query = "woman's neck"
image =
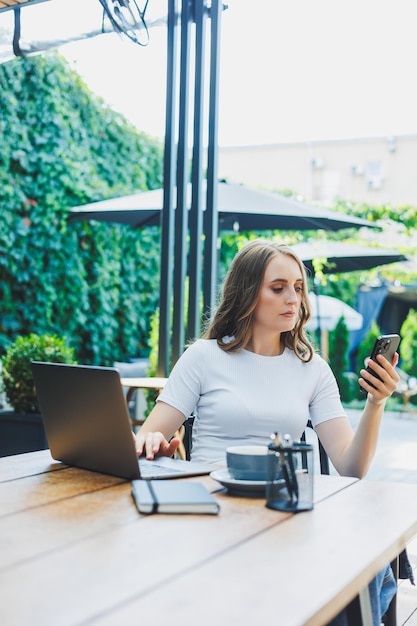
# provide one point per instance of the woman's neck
(265, 345)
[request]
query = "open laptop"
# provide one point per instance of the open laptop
(87, 423)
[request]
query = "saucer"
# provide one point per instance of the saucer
(253, 487)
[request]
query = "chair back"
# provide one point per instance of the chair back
(323, 458)
(187, 440)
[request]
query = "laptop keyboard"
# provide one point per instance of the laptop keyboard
(153, 469)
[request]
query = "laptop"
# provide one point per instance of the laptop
(87, 423)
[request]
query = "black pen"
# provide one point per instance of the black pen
(293, 475)
(284, 467)
(283, 463)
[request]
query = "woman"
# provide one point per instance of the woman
(254, 373)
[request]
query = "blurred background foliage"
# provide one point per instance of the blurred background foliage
(97, 284)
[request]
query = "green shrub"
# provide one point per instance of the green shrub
(16, 367)
(408, 345)
(364, 351)
(338, 360)
(150, 394)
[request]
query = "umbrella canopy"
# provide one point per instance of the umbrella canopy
(239, 207)
(342, 257)
(327, 311)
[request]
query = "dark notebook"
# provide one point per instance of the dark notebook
(166, 496)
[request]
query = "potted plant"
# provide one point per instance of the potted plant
(21, 430)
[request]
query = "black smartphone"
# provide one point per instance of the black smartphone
(386, 345)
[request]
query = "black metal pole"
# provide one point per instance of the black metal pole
(196, 210)
(211, 223)
(175, 244)
(167, 217)
(181, 217)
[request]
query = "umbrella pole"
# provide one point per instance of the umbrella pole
(319, 334)
(324, 345)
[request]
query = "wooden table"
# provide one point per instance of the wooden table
(146, 382)
(74, 550)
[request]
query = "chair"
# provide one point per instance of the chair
(323, 458)
(187, 440)
(188, 436)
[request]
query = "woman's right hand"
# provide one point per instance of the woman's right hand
(155, 444)
(151, 440)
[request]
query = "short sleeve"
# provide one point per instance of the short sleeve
(183, 387)
(325, 402)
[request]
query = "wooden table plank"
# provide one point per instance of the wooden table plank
(30, 463)
(319, 562)
(102, 501)
(98, 551)
(111, 567)
(41, 489)
(52, 527)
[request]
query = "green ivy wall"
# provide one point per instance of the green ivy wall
(61, 146)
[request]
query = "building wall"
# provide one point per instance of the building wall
(376, 170)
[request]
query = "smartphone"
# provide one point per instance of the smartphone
(386, 345)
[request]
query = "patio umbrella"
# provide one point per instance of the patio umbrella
(326, 312)
(331, 310)
(342, 257)
(239, 207)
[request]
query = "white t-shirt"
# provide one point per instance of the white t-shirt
(242, 397)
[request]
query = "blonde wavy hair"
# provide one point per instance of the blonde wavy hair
(231, 324)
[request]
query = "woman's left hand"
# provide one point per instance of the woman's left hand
(380, 389)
